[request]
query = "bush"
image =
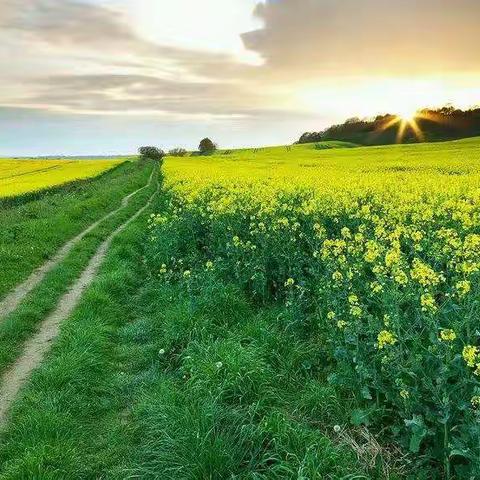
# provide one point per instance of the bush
(151, 153)
(177, 152)
(207, 147)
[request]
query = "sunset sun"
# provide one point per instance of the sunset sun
(407, 114)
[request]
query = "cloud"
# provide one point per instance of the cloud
(65, 22)
(80, 29)
(139, 94)
(332, 37)
(85, 57)
(93, 61)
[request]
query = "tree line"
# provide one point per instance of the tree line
(206, 147)
(446, 123)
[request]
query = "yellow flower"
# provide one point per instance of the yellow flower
(289, 282)
(428, 303)
(393, 256)
(463, 287)
(355, 311)
(405, 394)
(448, 335)
(187, 273)
(417, 236)
(372, 252)
(352, 299)
(341, 324)
(400, 277)
(331, 315)
(386, 338)
(209, 265)
(469, 354)
(475, 401)
(163, 269)
(337, 276)
(376, 287)
(424, 274)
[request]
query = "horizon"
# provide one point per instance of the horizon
(101, 77)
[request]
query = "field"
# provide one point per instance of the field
(18, 177)
(412, 167)
(373, 252)
(281, 313)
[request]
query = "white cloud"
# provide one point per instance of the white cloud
(211, 25)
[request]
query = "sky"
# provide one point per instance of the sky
(95, 77)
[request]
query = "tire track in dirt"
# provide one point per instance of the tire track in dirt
(38, 346)
(11, 301)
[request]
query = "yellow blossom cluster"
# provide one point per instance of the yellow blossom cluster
(385, 338)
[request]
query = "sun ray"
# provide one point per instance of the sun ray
(401, 130)
(390, 123)
(409, 121)
(416, 129)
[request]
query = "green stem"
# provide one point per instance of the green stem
(445, 446)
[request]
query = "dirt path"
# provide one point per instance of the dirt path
(38, 346)
(13, 299)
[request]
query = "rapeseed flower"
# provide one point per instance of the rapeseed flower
(463, 287)
(469, 354)
(385, 338)
(448, 335)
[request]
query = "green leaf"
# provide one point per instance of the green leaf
(419, 431)
(366, 393)
(464, 453)
(359, 417)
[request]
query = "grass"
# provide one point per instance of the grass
(34, 230)
(23, 322)
(18, 177)
(77, 372)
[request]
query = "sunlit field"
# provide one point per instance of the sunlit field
(18, 177)
(441, 167)
(373, 253)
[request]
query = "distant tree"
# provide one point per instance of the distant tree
(151, 153)
(177, 152)
(311, 137)
(206, 146)
(446, 123)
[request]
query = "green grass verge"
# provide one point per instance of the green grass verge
(178, 381)
(23, 322)
(32, 232)
(79, 372)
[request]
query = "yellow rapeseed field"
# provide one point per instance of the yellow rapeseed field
(375, 251)
(24, 176)
(432, 168)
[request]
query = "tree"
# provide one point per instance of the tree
(151, 153)
(177, 152)
(206, 146)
